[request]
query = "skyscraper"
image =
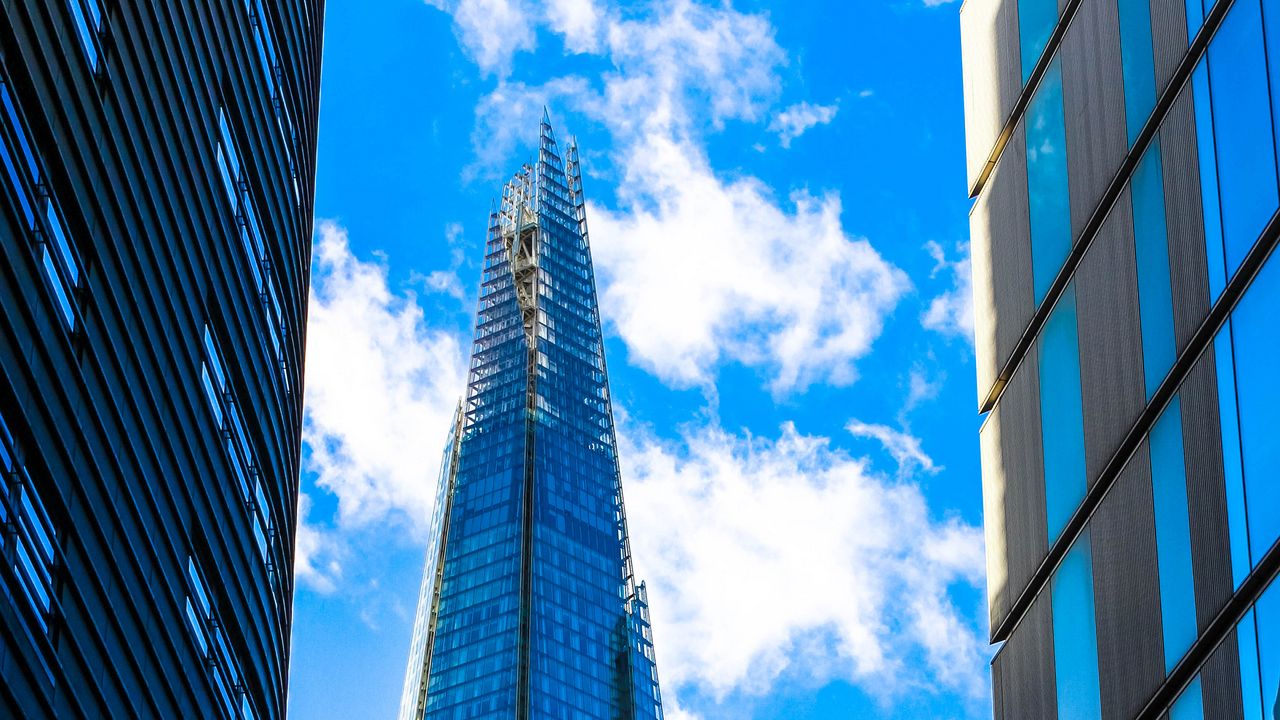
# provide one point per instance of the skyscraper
(528, 607)
(1124, 162)
(156, 166)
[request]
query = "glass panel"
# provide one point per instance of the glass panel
(60, 242)
(1137, 64)
(1190, 705)
(1209, 180)
(1268, 616)
(1075, 635)
(1155, 293)
(87, 39)
(1173, 535)
(1061, 415)
(1047, 190)
(1257, 346)
(1232, 470)
(1036, 20)
(60, 292)
(1250, 679)
(1242, 129)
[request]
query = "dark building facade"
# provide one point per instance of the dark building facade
(156, 173)
(528, 606)
(1123, 157)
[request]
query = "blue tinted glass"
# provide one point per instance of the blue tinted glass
(1190, 704)
(1036, 20)
(1209, 180)
(1173, 535)
(1268, 617)
(1047, 191)
(1075, 635)
(1257, 347)
(1061, 415)
(1242, 129)
(1155, 294)
(1137, 63)
(1250, 678)
(1232, 470)
(1195, 18)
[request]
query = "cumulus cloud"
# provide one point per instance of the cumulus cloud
(491, 31)
(381, 389)
(794, 121)
(317, 553)
(903, 447)
(696, 269)
(789, 557)
(951, 313)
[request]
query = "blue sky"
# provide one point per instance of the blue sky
(778, 217)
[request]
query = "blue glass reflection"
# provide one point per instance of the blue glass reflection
(1048, 194)
(1209, 180)
(1242, 130)
(1250, 680)
(1233, 472)
(1061, 415)
(1036, 20)
(1137, 62)
(1190, 704)
(1173, 535)
(1257, 346)
(1155, 293)
(1268, 618)
(1075, 635)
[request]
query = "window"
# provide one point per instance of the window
(1047, 190)
(30, 540)
(60, 265)
(252, 238)
(1075, 635)
(1173, 535)
(1137, 62)
(211, 639)
(1240, 135)
(87, 16)
(1190, 704)
(1155, 293)
(1036, 20)
(1258, 640)
(1061, 415)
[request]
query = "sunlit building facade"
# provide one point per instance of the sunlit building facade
(156, 167)
(1123, 158)
(528, 606)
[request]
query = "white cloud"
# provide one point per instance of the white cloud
(696, 269)
(491, 31)
(790, 558)
(794, 121)
(380, 392)
(904, 447)
(317, 553)
(578, 21)
(951, 313)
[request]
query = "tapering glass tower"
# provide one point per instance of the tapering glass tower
(528, 605)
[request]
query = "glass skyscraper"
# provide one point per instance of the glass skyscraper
(528, 606)
(1123, 157)
(156, 168)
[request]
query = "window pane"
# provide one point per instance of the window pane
(1209, 180)
(1268, 615)
(1047, 190)
(1257, 346)
(1190, 705)
(1242, 129)
(1062, 416)
(1075, 635)
(1173, 535)
(1137, 63)
(1155, 294)
(1232, 471)
(1036, 19)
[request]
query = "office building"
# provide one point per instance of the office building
(528, 606)
(1123, 158)
(156, 174)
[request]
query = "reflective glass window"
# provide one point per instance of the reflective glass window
(1075, 635)
(1137, 64)
(1036, 20)
(1155, 293)
(1217, 263)
(1257, 347)
(1047, 190)
(1061, 415)
(1173, 535)
(1232, 469)
(1258, 640)
(1242, 127)
(1190, 704)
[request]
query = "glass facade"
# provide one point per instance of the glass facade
(534, 610)
(1157, 344)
